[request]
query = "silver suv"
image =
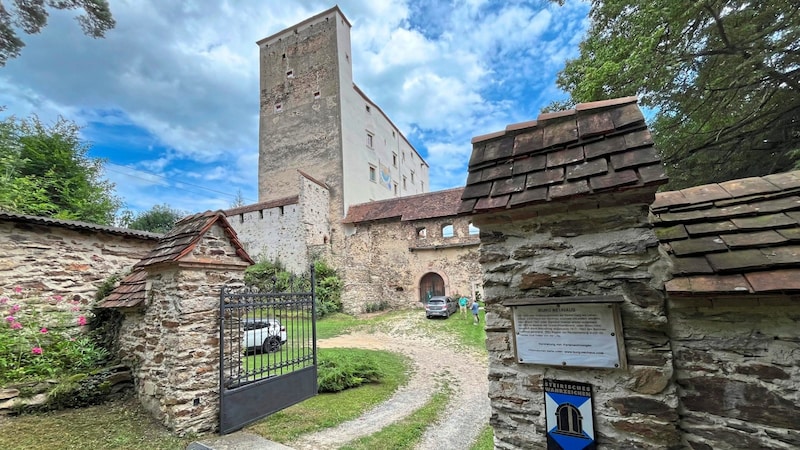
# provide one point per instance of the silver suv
(266, 335)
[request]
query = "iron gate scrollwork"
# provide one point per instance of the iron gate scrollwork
(268, 350)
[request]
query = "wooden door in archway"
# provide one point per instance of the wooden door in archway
(431, 284)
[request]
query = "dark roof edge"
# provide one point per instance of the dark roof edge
(262, 205)
(313, 180)
(305, 22)
(76, 225)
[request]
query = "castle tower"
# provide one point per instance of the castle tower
(313, 118)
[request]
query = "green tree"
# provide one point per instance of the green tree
(46, 171)
(31, 17)
(158, 219)
(722, 77)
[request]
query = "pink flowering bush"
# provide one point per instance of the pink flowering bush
(35, 344)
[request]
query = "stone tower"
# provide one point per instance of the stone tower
(313, 118)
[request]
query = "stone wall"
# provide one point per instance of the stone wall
(736, 364)
(579, 252)
(48, 258)
(172, 343)
(387, 259)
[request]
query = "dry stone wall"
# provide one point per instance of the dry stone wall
(736, 364)
(52, 260)
(597, 252)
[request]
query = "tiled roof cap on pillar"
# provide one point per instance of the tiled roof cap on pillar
(598, 147)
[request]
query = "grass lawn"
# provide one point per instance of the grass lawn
(328, 410)
(125, 425)
(119, 425)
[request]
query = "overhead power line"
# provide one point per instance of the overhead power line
(171, 183)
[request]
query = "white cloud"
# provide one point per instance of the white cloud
(185, 75)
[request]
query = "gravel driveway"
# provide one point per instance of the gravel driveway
(433, 359)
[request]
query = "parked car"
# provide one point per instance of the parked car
(266, 335)
(440, 305)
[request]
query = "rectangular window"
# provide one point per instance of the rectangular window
(368, 108)
(394, 159)
(369, 139)
(373, 174)
(395, 189)
(412, 177)
(405, 187)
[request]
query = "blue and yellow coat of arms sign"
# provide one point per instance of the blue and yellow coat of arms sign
(569, 415)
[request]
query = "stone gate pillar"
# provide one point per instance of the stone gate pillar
(562, 204)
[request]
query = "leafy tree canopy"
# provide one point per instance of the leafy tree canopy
(722, 76)
(31, 16)
(158, 219)
(45, 171)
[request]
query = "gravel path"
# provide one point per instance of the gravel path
(433, 359)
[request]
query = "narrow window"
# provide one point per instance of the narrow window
(367, 107)
(405, 187)
(394, 159)
(369, 139)
(393, 135)
(395, 189)
(372, 173)
(447, 231)
(290, 74)
(412, 177)
(473, 230)
(422, 186)
(316, 95)
(278, 107)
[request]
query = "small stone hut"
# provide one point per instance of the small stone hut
(705, 285)
(170, 332)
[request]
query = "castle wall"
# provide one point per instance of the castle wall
(273, 234)
(387, 259)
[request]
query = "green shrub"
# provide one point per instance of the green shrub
(272, 277)
(340, 369)
(375, 307)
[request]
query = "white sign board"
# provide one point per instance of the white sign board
(570, 334)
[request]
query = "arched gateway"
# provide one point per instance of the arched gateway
(430, 285)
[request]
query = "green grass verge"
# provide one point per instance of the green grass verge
(116, 425)
(328, 410)
(467, 334)
(485, 439)
(406, 433)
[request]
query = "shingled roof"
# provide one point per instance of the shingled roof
(413, 207)
(595, 148)
(179, 242)
(187, 233)
(736, 237)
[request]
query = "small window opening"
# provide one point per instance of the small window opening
(422, 232)
(372, 174)
(395, 189)
(367, 107)
(447, 231)
(394, 159)
(278, 107)
(405, 186)
(369, 140)
(290, 74)
(284, 56)
(280, 209)
(316, 95)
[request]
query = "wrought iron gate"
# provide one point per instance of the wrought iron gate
(268, 350)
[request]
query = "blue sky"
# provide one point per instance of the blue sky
(170, 96)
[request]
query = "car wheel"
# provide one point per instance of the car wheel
(271, 344)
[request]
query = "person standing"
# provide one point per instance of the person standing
(475, 307)
(462, 306)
